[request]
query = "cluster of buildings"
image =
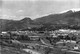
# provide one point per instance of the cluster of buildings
(65, 37)
(68, 38)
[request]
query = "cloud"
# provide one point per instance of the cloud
(20, 0)
(1, 3)
(0, 10)
(5, 16)
(20, 11)
(36, 8)
(64, 0)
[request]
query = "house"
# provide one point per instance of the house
(34, 38)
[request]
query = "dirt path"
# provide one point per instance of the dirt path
(31, 51)
(74, 52)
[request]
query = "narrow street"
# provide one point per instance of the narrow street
(31, 51)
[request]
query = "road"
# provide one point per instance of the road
(71, 51)
(74, 52)
(31, 51)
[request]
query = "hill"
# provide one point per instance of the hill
(22, 24)
(68, 17)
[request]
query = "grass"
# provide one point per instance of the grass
(11, 50)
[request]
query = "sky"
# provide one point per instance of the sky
(18, 9)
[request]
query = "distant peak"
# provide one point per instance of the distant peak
(74, 10)
(26, 18)
(71, 10)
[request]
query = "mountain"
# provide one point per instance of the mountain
(22, 24)
(69, 17)
(3, 23)
(72, 10)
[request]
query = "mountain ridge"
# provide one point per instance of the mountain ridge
(63, 16)
(67, 18)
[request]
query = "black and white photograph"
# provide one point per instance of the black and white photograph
(39, 26)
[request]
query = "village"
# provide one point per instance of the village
(62, 41)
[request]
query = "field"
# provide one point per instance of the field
(25, 44)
